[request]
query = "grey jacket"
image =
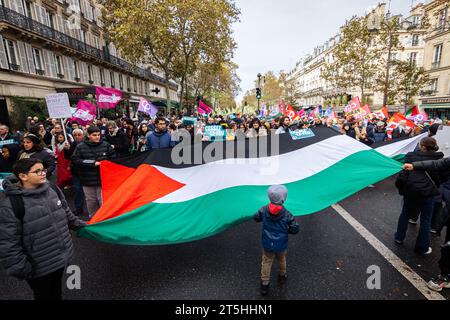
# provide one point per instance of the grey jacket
(42, 244)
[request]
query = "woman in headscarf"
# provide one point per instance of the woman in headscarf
(33, 148)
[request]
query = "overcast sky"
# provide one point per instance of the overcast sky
(275, 34)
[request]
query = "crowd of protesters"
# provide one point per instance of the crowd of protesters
(70, 157)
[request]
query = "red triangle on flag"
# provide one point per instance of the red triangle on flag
(145, 185)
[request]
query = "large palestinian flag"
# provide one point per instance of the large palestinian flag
(149, 200)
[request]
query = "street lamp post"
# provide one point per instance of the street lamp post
(259, 87)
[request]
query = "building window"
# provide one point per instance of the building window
(83, 36)
(415, 20)
(92, 12)
(415, 40)
(50, 20)
(28, 9)
(442, 19)
(413, 58)
(437, 56)
(121, 81)
(135, 84)
(77, 71)
(59, 68)
(434, 85)
(37, 59)
(90, 74)
(102, 77)
(111, 75)
(128, 84)
(11, 54)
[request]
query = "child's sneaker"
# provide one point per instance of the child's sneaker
(439, 283)
(282, 278)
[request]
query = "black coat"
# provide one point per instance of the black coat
(85, 156)
(120, 142)
(421, 184)
(442, 165)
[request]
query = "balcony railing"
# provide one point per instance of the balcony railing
(23, 22)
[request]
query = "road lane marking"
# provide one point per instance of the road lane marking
(419, 283)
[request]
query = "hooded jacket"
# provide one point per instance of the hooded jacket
(42, 243)
(278, 223)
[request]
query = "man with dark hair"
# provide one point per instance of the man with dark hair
(86, 159)
(117, 139)
(8, 140)
(35, 242)
(160, 138)
(285, 123)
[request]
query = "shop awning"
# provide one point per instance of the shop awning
(162, 103)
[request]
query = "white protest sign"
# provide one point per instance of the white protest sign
(58, 105)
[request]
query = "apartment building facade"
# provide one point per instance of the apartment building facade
(436, 98)
(316, 91)
(49, 46)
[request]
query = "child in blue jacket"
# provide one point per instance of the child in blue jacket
(278, 223)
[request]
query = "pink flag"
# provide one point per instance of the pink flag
(85, 113)
(301, 113)
(203, 108)
(107, 98)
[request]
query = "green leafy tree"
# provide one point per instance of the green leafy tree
(409, 80)
(172, 34)
(356, 58)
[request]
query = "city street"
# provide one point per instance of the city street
(328, 259)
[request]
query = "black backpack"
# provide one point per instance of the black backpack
(18, 206)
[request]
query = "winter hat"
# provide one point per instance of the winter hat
(277, 194)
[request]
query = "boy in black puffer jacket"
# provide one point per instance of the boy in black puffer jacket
(86, 159)
(278, 223)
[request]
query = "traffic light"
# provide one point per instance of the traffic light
(258, 93)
